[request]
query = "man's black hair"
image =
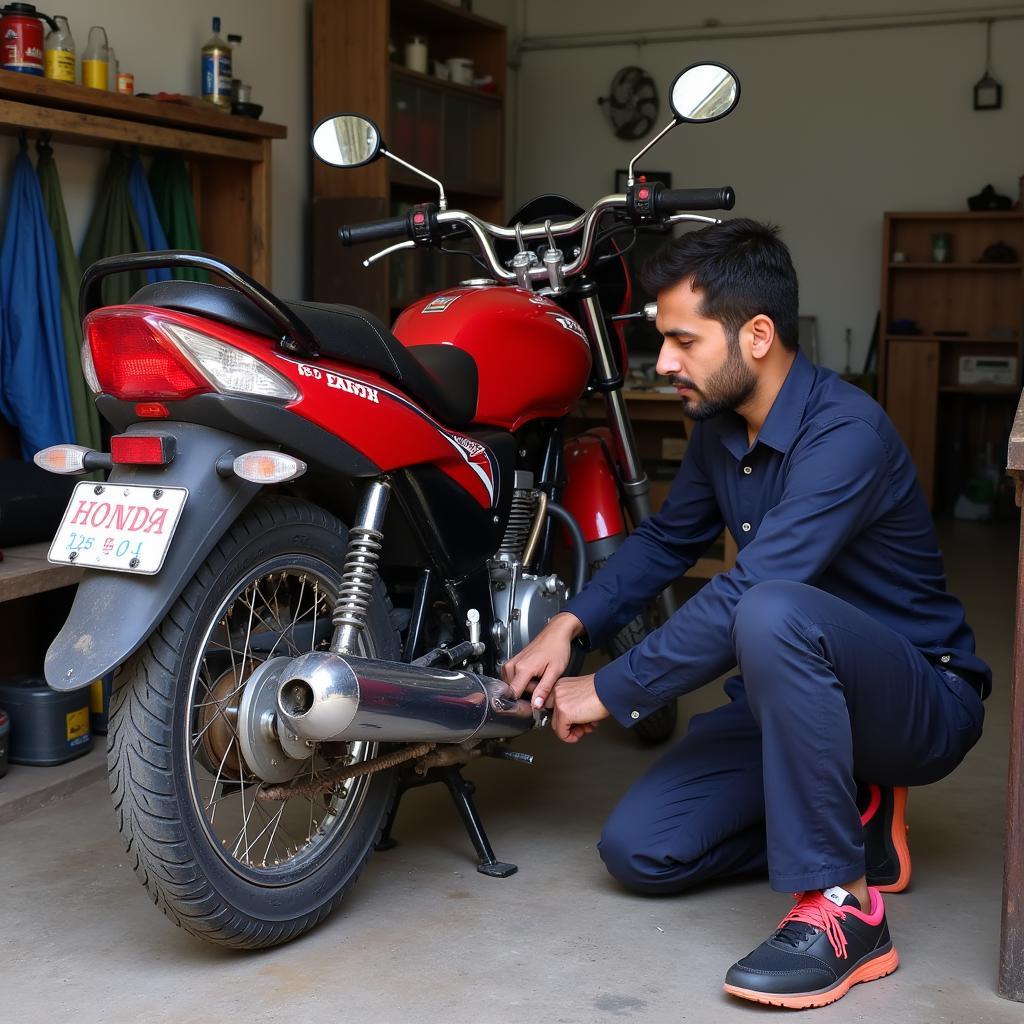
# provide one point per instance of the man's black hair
(740, 267)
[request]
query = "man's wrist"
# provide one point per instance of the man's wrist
(567, 623)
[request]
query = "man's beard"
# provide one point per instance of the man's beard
(727, 388)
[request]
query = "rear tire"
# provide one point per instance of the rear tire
(159, 761)
(659, 725)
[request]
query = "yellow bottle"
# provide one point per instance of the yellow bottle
(96, 60)
(60, 52)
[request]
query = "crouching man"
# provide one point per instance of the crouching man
(857, 672)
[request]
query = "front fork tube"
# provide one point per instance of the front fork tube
(635, 485)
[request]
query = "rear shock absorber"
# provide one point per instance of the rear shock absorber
(362, 561)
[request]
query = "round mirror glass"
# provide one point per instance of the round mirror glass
(347, 140)
(704, 92)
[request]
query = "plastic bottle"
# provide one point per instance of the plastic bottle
(95, 60)
(60, 52)
(217, 69)
(112, 68)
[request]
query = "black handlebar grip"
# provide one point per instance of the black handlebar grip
(375, 231)
(682, 200)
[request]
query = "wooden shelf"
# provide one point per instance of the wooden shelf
(44, 92)
(445, 17)
(25, 571)
(1008, 215)
(444, 85)
(967, 340)
(955, 266)
(978, 389)
(962, 295)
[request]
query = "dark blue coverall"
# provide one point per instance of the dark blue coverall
(855, 664)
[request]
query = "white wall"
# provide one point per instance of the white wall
(831, 131)
(160, 43)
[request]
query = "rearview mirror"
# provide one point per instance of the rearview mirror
(347, 140)
(704, 92)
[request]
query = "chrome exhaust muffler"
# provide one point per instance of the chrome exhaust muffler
(339, 697)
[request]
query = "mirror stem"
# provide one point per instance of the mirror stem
(442, 203)
(632, 163)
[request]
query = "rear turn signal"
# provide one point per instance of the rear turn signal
(142, 449)
(64, 459)
(268, 467)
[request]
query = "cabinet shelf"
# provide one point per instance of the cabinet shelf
(949, 340)
(954, 266)
(433, 82)
(978, 389)
(948, 426)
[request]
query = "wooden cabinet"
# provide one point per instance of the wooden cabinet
(454, 132)
(939, 320)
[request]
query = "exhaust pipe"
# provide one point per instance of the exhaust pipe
(335, 697)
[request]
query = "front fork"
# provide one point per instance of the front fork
(635, 485)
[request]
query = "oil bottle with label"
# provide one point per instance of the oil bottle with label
(60, 51)
(217, 69)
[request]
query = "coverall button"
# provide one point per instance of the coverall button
(745, 527)
(747, 470)
(634, 714)
(944, 659)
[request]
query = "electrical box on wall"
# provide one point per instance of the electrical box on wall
(988, 370)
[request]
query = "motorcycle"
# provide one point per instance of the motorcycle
(317, 540)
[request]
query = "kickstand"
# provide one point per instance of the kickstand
(462, 791)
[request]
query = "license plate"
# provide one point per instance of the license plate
(124, 527)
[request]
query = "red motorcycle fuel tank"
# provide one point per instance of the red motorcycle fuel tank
(532, 358)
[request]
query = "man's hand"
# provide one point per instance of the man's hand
(578, 709)
(544, 659)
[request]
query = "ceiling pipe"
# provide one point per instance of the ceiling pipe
(712, 28)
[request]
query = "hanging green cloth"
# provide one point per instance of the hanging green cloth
(114, 230)
(83, 405)
(172, 196)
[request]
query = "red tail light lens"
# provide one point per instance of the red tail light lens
(135, 361)
(142, 449)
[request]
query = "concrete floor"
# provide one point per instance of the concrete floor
(425, 938)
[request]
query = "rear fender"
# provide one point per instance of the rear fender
(114, 612)
(592, 489)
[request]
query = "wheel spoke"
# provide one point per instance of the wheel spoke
(251, 833)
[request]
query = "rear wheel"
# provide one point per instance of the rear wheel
(659, 725)
(190, 757)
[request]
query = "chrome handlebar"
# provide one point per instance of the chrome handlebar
(484, 233)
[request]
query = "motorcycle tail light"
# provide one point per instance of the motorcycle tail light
(265, 467)
(142, 449)
(64, 459)
(229, 368)
(132, 359)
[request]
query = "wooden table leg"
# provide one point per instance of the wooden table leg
(1011, 946)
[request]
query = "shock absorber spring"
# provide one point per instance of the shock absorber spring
(359, 576)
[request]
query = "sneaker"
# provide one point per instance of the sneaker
(823, 947)
(886, 851)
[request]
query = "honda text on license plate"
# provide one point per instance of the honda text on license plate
(118, 526)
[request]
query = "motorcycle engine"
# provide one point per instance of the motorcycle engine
(522, 601)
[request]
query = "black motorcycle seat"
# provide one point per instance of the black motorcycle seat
(442, 378)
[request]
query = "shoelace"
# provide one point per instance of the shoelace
(813, 909)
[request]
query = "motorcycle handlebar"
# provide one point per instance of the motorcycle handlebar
(677, 200)
(375, 231)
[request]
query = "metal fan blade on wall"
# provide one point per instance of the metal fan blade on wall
(632, 103)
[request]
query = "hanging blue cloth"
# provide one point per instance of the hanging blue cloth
(145, 213)
(33, 372)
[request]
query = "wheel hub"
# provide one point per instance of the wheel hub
(257, 725)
